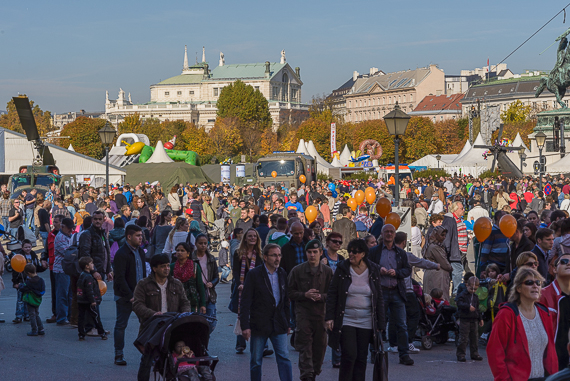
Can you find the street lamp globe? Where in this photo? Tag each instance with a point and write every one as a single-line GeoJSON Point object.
{"type": "Point", "coordinates": [540, 139]}
{"type": "Point", "coordinates": [107, 134]}
{"type": "Point", "coordinates": [397, 121]}
{"type": "Point", "coordinates": [438, 157]}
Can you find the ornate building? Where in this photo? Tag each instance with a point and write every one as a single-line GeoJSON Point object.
{"type": "Point", "coordinates": [192, 95]}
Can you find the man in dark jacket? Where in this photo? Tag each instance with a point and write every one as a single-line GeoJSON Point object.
{"type": "Point", "coordinates": [265, 313]}
{"type": "Point", "coordinates": [451, 245]}
{"type": "Point", "coordinates": [346, 227]}
{"type": "Point", "coordinates": [263, 228]}
{"type": "Point", "coordinates": [544, 241]}
{"type": "Point", "coordinates": [394, 269]}
{"type": "Point", "coordinates": [294, 250]}
{"type": "Point", "coordinates": [129, 268]}
{"type": "Point", "coordinates": [520, 243]}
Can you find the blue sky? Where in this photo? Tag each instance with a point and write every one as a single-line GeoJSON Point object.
{"type": "Point", "coordinates": [65, 54]}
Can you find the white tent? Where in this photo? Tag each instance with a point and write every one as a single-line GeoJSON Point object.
{"type": "Point", "coordinates": [16, 151]}
{"type": "Point", "coordinates": [465, 149]}
{"type": "Point", "coordinates": [159, 155]}
{"type": "Point", "coordinates": [71, 148]}
{"type": "Point", "coordinates": [514, 154]}
{"type": "Point", "coordinates": [561, 166]}
{"type": "Point", "coordinates": [518, 142]}
{"type": "Point", "coordinates": [430, 161]}
{"type": "Point", "coordinates": [345, 156]}
{"type": "Point", "coordinates": [302, 148]}
{"type": "Point", "coordinates": [336, 163]}
{"type": "Point", "coordinates": [472, 162]}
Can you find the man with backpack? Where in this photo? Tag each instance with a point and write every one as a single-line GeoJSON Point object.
{"type": "Point", "coordinates": [61, 243]}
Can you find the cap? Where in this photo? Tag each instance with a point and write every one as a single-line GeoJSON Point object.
{"type": "Point", "coordinates": [314, 244]}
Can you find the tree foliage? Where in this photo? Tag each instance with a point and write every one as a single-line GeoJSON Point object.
{"type": "Point", "coordinates": [153, 128]}
{"type": "Point", "coordinates": [195, 139]}
{"type": "Point", "coordinates": [243, 102]}
{"type": "Point", "coordinates": [419, 140]}
{"type": "Point", "coordinates": [225, 137]}
{"type": "Point", "coordinates": [510, 130]}
{"type": "Point", "coordinates": [83, 136]}
{"type": "Point", "coordinates": [269, 142]}
{"type": "Point", "coordinates": [11, 121]}
{"type": "Point", "coordinates": [517, 112]}
{"type": "Point", "coordinates": [448, 136]}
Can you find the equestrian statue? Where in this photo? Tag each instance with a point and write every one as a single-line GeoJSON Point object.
{"type": "Point", "coordinates": [558, 79]}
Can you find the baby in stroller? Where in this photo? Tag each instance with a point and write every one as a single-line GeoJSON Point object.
{"type": "Point", "coordinates": [186, 370]}
{"type": "Point", "coordinates": [436, 319]}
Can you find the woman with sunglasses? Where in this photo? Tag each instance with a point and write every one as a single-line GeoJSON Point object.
{"type": "Point", "coordinates": [521, 345]}
{"type": "Point", "coordinates": [355, 310]}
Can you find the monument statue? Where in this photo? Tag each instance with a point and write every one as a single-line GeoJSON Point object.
{"type": "Point", "coordinates": [283, 59]}
{"type": "Point", "coordinates": [558, 79]}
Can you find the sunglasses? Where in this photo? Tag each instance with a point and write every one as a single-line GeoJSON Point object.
{"type": "Point", "coordinates": [530, 282]}
{"type": "Point", "coordinates": [564, 261]}
{"type": "Point", "coordinates": [354, 252]}
{"type": "Point", "coordinates": [336, 241]}
{"type": "Point", "coordinates": [531, 264]}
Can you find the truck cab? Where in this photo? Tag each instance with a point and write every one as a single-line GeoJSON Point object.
{"type": "Point", "coordinates": [40, 178]}
{"type": "Point", "coordinates": [288, 167]}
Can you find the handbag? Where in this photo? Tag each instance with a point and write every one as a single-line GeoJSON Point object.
{"type": "Point", "coordinates": [380, 360]}
{"type": "Point", "coordinates": [237, 328]}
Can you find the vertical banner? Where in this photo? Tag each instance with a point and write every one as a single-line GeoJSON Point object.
{"type": "Point", "coordinates": [240, 170]}
{"type": "Point", "coordinates": [333, 137]}
{"type": "Point", "coordinates": [2, 151]}
{"type": "Point", "coordinates": [225, 174]}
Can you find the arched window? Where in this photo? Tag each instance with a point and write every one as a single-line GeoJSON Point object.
{"type": "Point", "coordinates": [285, 90]}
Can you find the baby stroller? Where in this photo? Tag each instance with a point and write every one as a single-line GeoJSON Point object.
{"type": "Point", "coordinates": [436, 327]}
{"type": "Point", "coordinates": [216, 234]}
{"type": "Point", "coordinates": [194, 330]}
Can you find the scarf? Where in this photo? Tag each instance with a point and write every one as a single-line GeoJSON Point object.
{"type": "Point", "coordinates": [185, 272]}
{"type": "Point", "coordinates": [242, 273]}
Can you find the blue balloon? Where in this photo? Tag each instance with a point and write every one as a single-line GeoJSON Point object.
{"type": "Point", "coordinates": [331, 187]}
{"type": "Point", "coordinates": [334, 194]}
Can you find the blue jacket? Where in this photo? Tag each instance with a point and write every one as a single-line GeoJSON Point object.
{"type": "Point", "coordinates": [263, 230]}
{"type": "Point", "coordinates": [495, 249]}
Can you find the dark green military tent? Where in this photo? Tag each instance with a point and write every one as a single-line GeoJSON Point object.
{"type": "Point", "coordinates": [168, 174]}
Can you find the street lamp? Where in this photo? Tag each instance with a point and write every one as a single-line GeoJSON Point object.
{"type": "Point", "coordinates": [438, 157]}
{"type": "Point", "coordinates": [540, 140]}
{"type": "Point", "coordinates": [522, 155]}
{"type": "Point", "coordinates": [107, 135]}
{"type": "Point", "coordinates": [397, 122]}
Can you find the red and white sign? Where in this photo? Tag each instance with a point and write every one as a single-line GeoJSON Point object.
{"type": "Point", "coordinates": [333, 137]}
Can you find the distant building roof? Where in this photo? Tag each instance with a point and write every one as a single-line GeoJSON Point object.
{"type": "Point", "coordinates": [506, 88]}
{"type": "Point", "coordinates": [440, 102]}
{"type": "Point", "coordinates": [391, 81]}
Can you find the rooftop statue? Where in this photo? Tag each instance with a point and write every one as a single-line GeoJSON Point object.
{"type": "Point", "coordinates": [558, 79]}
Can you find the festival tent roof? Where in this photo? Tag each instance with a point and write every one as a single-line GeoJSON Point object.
{"type": "Point", "coordinates": [472, 163]}
{"type": "Point", "coordinates": [321, 163]}
{"type": "Point", "coordinates": [430, 161]}
{"type": "Point", "coordinates": [159, 155]}
{"type": "Point", "coordinates": [168, 174]}
{"type": "Point", "coordinates": [466, 148]}
{"type": "Point", "coordinates": [302, 148]}
{"type": "Point", "coordinates": [561, 166]}
{"type": "Point", "coordinates": [345, 156]}
{"type": "Point", "coordinates": [336, 163]}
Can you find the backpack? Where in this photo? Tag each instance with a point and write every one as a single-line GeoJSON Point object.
{"type": "Point", "coordinates": [70, 262]}
{"type": "Point", "coordinates": [114, 249]}
{"type": "Point", "coordinates": [32, 299]}
{"type": "Point", "coordinates": [499, 291]}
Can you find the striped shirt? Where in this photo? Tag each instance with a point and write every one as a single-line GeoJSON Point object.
{"type": "Point", "coordinates": [495, 249]}
{"type": "Point", "coordinates": [60, 244]}
{"type": "Point", "coordinates": [462, 238]}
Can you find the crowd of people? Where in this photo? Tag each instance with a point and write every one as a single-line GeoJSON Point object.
{"type": "Point", "coordinates": [346, 270]}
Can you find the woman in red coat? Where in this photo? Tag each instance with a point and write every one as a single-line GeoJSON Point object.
{"type": "Point", "coordinates": [521, 345]}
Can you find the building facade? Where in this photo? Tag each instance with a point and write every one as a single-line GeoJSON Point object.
{"type": "Point", "coordinates": [192, 95]}
{"type": "Point", "coordinates": [374, 96]}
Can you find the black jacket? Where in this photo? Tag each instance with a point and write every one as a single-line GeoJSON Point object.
{"type": "Point", "coordinates": [542, 262]}
{"type": "Point", "coordinates": [465, 300]}
{"type": "Point", "coordinates": [403, 270]}
{"type": "Point", "coordinates": [35, 285]}
{"type": "Point", "coordinates": [336, 299]}
{"type": "Point", "coordinates": [450, 242]}
{"type": "Point", "coordinates": [258, 309]}
{"type": "Point", "coordinates": [125, 271]}
{"type": "Point", "coordinates": [525, 244]}
{"type": "Point", "coordinates": [88, 289]}
{"type": "Point", "coordinates": [94, 243]}
{"type": "Point", "coordinates": [120, 200]}
{"type": "Point", "coordinates": [289, 256]}
{"type": "Point", "coordinates": [21, 277]}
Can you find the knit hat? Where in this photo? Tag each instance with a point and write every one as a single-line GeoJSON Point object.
{"type": "Point", "coordinates": [314, 244]}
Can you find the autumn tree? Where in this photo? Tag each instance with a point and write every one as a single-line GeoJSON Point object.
{"type": "Point", "coordinates": [419, 140]}
{"type": "Point", "coordinates": [510, 131]}
{"type": "Point", "coordinates": [131, 124]}
{"type": "Point", "coordinates": [11, 121]}
{"type": "Point", "coordinates": [243, 102]}
{"type": "Point", "coordinates": [448, 140]}
{"type": "Point", "coordinates": [269, 142]}
{"type": "Point", "coordinates": [83, 136]}
{"type": "Point", "coordinates": [195, 139]}
{"type": "Point", "coordinates": [376, 129]}
{"type": "Point", "coordinates": [225, 137]}
{"type": "Point", "coordinates": [319, 132]}
{"type": "Point", "coordinates": [517, 112]}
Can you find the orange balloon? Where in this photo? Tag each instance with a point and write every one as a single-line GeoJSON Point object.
{"type": "Point", "coordinates": [482, 228]}
{"type": "Point", "coordinates": [383, 207]}
{"type": "Point", "coordinates": [359, 197]}
{"type": "Point", "coordinates": [508, 225]}
{"type": "Point", "coordinates": [302, 178]}
{"type": "Point", "coordinates": [393, 219]}
{"type": "Point", "coordinates": [274, 174]}
{"type": "Point", "coordinates": [18, 263]}
{"type": "Point", "coordinates": [102, 287]}
{"type": "Point", "coordinates": [370, 195]}
{"type": "Point", "coordinates": [352, 203]}
{"type": "Point", "coordinates": [311, 213]}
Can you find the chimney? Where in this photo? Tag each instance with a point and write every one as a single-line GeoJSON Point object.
{"type": "Point", "coordinates": [267, 69]}
{"type": "Point", "coordinates": [298, 72]}
{"type": "Point", "coordinates": [354, 75]}
{"type": "Point", "coordinates": [373, 70]}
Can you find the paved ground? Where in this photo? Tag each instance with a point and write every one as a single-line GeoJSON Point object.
{"type": "Point", "coordinates": [60, 356]}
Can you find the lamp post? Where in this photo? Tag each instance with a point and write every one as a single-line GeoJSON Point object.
{"type": "Point", "coordinates": [438, 157]}
{"type": "Point", "coordinates": [397, 122]}
{"type": "Point", "coordinates": [107, 135]}
{"type": "Point", "coordinates": [522, 155]}
{"type": "Point", "coordinates": [540, 140]}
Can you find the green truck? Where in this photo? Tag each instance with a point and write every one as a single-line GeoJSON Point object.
{"type": "Point", "coordinates": [288, 167]}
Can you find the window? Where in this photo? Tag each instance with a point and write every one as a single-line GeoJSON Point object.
{"type": "Point", "coordinates": [256, 88]}
{"type": "Point", "coordinates": [411, 97]}
{"type": "Point", "coordinates": [179, 93]}
{"type": "Point", "coordinates": [383, 100]}
{"type": "Point", "coordinates": [294, 94]}
{"type": "Point", "coordinates": [275, 93]}
{"type": "Point", "coordinates": [216, 90]}
{"type": "Point", "coordinates": [404, 98]}
{"type": "Point", "coordinates": [166, 93]}
{"type": "Point", "coordinates": [211, 120]}
{"type": "Point", "coordinates": [191, 93]}
{"type": "Point", "coordinates": [285, 92]}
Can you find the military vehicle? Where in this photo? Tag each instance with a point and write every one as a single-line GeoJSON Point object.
{"type": "Point", "coordinates": [288, 167]}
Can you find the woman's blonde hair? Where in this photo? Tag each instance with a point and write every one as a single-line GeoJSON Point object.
{"type": "Point", "coordinates": [524, 257]}
{"type": "Point", "coordinates": [522, 274]}
{"type": "Point", "coordinates": [242, 249]}
{"type": "Point", "coordinates": [180, 221]}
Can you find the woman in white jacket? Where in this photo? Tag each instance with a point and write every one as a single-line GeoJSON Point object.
{"type": "Point", "coordinates": [174, 200]}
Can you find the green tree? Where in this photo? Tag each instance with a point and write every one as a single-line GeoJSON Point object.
{"type": "Point", "coordinates": [243, 102]}
{"type": "Point", "coordinates": [83, 135]}
{"type": "Point", "coordinates": [131, 124]}
{"type": "Point", "coordinates": [11, 121]}
{"type": "Point", "coordinates": [517, 112]}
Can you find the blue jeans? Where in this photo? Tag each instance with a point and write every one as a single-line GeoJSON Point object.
{"type": "Point", "coordinates": [395, 307]}
{"type": "Point", "coordinates": [279, 342]}
{"type": "Point", "coordinates": [62, 303]}
{"type": "Point", "coordinates": [211, 311]}
{"type": "Point", "coordinates": [14, 232]}
{"type": "Point", "coordinates": [44, 236]}
{"type": "Point", "coordinates": [30, 219]}
{"type": "Point", "coordinates": [21, 307]}
{"type": "Point", "coordinates": [456, 275]}
{"type": "Point", "coordinates": [6, 224]}
{"type": "Point", "coordinates": [124, 309]}
{"type": "Point", "coordinates": [225, 270]}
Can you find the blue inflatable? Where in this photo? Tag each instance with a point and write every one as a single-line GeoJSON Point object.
{"type": "Point", "coordinates": [334, 194]}
{"type": "Point", "coordinates": [331, 187]}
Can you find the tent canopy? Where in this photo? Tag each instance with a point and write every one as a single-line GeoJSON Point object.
{"type": "Point", "coordinates": [168, 174]}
